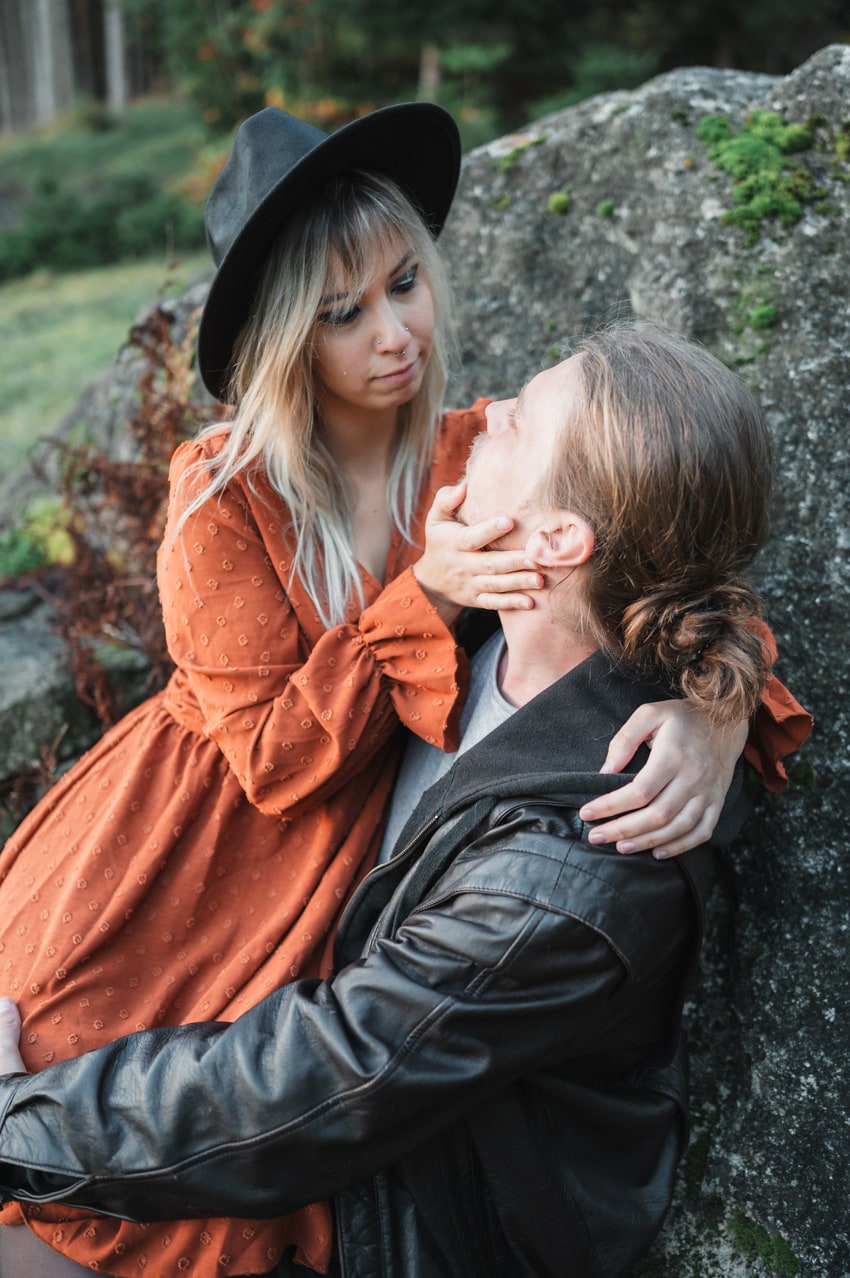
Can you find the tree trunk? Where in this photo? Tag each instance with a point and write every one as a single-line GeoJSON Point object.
{"type": "Point", "coordinates": [50, 62]}
{"type": "Point", "coordinates": [115, 46]}
{"type": "Point", "coordinates": [429, 72]}
{"type": "Point", "coordinates": [87, 31]}
{"type": "Point", "coordinates": [13, 86]}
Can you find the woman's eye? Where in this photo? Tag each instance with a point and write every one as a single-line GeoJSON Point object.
{"type": "Point", "coordinates": [406, 282]}
{"type": "Point", "coordinates": [339, 317]}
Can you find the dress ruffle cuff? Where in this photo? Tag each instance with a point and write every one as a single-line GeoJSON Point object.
{"type": "Point", "coordinates": [426, 670]}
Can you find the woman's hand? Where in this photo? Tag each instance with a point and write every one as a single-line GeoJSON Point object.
{"type": "Point", "coordinates": [10, 1036]}
{"type": "Point", "coordinates": [458, 571]}
{"type": "Point", "coordinates": [675, 800]}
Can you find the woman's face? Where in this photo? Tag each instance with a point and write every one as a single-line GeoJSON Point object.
{"type": "Point", "coordinates": [371, 350]}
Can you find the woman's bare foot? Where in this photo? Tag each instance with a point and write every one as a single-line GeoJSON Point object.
{"type": "Point", "coordinates": [10, 1036]}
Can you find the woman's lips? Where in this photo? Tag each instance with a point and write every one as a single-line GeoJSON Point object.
{"type": "Point", "coordinates": [400, 376]}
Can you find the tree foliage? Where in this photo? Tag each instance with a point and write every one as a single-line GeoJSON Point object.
{"type": "Point", "coordinates": [495, 63]}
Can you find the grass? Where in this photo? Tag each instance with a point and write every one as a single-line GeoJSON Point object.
{"type": "Point", "coordinates": [58, 331]}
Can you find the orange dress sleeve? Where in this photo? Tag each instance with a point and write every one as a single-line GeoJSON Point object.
{"type": "Point", "coordinates": [296, 710]}
{"type": "Point", "coordinates": [779, 727]}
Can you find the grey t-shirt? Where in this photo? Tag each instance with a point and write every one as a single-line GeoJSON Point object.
{"type": "Point", "coordinates": [424, 764]}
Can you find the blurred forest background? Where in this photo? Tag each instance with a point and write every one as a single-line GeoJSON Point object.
{"type": "Point", "coordinates": [115, 116]}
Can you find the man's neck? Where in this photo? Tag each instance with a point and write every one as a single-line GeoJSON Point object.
{"type": "Point", "coordinates": [540, 650]}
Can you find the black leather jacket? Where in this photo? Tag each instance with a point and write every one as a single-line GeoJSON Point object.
{"type": "Point", "coordinates": [492, 1084]}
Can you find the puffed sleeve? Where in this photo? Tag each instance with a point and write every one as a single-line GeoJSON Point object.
{"type": "Point", "coordinates": [780, 725]}
{"type": "Point", "coordinates": [297, 711]}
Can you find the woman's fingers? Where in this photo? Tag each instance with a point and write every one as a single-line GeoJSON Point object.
{"type": "Point", "coordinates": [675, 800]}
{"type": "Point", "coordinates": [458, 570]}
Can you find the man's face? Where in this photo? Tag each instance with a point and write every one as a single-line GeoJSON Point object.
{"type": "Point", "coordinates": [510, 458]}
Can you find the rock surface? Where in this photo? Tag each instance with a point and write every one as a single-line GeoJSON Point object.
{"type": "Point", "coordinates": [636, 227]}
{"type": "Point", "coordinates": [766, 1187]}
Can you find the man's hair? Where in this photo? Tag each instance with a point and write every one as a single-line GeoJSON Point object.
{"type": "Point", "coordinates": [335, 238]}
{"type": "Point", "coordinates": [666, 453]}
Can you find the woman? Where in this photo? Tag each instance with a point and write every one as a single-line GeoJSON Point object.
{"type": "Point", "coordinates": [201, 854]}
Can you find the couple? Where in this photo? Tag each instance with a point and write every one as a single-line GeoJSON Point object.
{"type": "Point", "coordinates": [492, 1081]}
{"type": "Point", "coordinates": [484, 1075]}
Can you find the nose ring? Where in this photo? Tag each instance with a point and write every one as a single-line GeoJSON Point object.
{"type": "Point", "coordinates": [398, 354]}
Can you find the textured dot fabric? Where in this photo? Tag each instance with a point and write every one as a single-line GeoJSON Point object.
{"type": "Point", "coordinates": [200, 855]}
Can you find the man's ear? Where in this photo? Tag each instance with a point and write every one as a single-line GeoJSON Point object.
{"type": "Point", "coordinates": [562, 540]}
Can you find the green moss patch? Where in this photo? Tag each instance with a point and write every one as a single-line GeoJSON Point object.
{"type": "Point", "coordinates": [505, 163]}
{"type": "Point", "coordinates": [559, 201]}
{"type": "Point", "coordinates": [764, 316]}
{"type": "Point", "coordinates": [753, 1243]}
{"type": "Point", "coordinates": [770, 181]}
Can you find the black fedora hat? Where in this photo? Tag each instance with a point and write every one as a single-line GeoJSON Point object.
{"type": "Point", "coordinates": [276, 162]}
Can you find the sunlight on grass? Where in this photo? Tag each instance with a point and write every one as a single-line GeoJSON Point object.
{"type": "Point", "coordinates": [58, 331]}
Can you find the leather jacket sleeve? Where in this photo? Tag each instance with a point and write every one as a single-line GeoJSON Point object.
{"type": "Point", "coordinates": [324, 1082]}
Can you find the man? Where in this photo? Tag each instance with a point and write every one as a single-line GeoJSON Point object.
{"type": "Point", "coordinates": [493, 1081]}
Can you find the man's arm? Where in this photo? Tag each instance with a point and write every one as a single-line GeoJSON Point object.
{"type": "Point", "coordinates": [323, 1082]}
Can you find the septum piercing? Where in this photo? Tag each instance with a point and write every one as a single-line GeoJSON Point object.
{"type": "Point", "coordinates": [398, 354]}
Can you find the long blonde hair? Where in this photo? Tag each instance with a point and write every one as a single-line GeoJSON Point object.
{"type": "Point", "coordinates": [666, 453]}
{"type": "Point", "coordinates": [353, 219]}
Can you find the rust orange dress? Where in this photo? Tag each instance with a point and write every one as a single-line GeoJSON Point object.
{"type": "Point", "coordinates": [201, 854]}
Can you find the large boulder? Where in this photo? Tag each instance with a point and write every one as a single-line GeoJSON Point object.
{"type": "Point", "coordinates": [617, 207]}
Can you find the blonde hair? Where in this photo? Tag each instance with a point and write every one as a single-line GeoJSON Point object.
{"type": "Point", "coordinates": [666, 453]}
{"type": "Point", "coordinates": [352, 221]}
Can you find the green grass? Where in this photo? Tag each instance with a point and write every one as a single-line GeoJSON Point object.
{"type": "Point", "coordinates": [58, 331]}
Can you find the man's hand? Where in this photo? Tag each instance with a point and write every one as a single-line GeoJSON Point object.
{"type": "Point", "coordinates": [10, 1036]}
{"type": "Point", "coordinates": [675, 800]}
{"type": "Point", "coordinates": [457, 571]}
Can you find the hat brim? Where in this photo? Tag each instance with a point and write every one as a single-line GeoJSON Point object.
{"type": "Point", "coordinates": [416, 144]}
